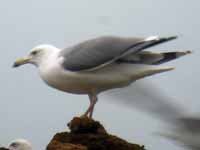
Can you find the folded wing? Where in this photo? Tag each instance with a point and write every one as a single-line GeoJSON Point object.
{"type": "Point", "coordinates": [95, 53]}
{"type": "Point", "coordinates": [152, 58]}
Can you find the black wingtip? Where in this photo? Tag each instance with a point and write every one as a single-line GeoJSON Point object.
{"type": "Point", "coordinates": [164, 39]}
{"type": "Point", "coordinates": [172, 37]}
{"type": "Point", "coordinates": [160, 40]}
{"type": "Point", "coordinates": [168, 38]}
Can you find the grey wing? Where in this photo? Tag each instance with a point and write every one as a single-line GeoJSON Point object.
{"type": "Point", "coordinates": [191, 124]}
{"type": "Point", "coordinates": [152, 58]}
{"type": "Point", "coordinates": [104, 50]}
{"type": "Point", "coordinates": [153, 101]}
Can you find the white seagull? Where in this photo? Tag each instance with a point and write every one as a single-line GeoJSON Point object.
{"type": "Point", "coordinates": [99, 64]}
{"type": "Point", "coordinates": [20, 144]}
{"type": "Point", "coordinates": [181, 126]}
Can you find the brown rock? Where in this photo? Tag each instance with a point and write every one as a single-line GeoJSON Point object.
{"type": "Point", "coordinates": [85, 125]}
{"type": "Point", "coordinates": [87, 134]}
{"type": "Point", "coordinates": [56, 145]}
{"type": "Point", "coordinates": [3, 148]}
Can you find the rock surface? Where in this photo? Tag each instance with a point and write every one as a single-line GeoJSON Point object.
{"type": "Point", "coordinates": [3, 148]}
{"type": "Point", "coordinates": [87, 134]}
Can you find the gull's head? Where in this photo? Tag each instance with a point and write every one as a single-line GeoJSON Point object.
{"type": "Point", "coordinates": [20, 144]}
{"type": "Point", "coordinates": [37, 55]}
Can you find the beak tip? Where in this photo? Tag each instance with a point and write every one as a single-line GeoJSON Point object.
{"type": "Point", "coordinates": [14, 65]}
{"type": "Point", "coordinates": [19, 62]}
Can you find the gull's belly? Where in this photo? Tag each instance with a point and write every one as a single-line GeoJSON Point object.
{"type": "Point", "coordinates": [109, 77]}
{"type": "Point", "coordinates": [82, 83]}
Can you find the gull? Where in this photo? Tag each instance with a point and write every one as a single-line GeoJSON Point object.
{"type": "Point", "coordinates": [20, 144]}
{"type": "Point", "coordinates": [185, 131]}
{"type": "Point", "coordinates": [99, 64]}
{"type": "Point", "coordinates": [182, 127]}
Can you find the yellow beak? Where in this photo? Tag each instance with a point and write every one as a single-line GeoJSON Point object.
{"type": "Point", "coordinates": [21, 61]}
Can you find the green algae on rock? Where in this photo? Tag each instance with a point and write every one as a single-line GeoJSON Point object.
{"type": "Point", "coordinates": [87, 134]}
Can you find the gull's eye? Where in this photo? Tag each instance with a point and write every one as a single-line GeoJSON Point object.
{"type": "Point", "coordinates": [14, 144]}
{"type": "Point", "coordinates": [34, 52]}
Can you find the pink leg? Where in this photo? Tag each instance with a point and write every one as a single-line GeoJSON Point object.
{"type": "Point", "coordinates": [93, 100]}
